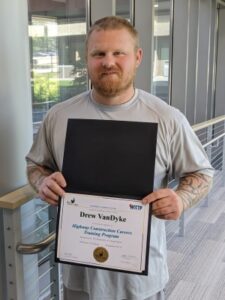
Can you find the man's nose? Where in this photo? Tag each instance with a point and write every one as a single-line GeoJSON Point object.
{"type": "Point", "coordinates": [108, 60]}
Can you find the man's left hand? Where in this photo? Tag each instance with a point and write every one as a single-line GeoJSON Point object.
{"type": "Point", "coordinates": [166, 204]}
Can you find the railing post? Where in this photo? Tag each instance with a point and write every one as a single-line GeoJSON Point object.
{"type": "Point", "coordinates": [55, 272]}
{"type": "Point", "coordinates": [30, 262]}
{"type": "Point", "coordinates": [21, 271]}
{"type": "Point", "coordinates": [181, 225]}
{"type": "Point", "coordinates": [223, 163]}
{"type": "Point", "coordinates": [209, 154]}
{"type": "Point", "coordinates": [2, 257]}
{"type": "Point", "coordinates": [13, 261]}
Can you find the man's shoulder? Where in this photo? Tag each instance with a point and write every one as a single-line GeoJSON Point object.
{"type": "Point", "coordinates": [67, 104]}
{"type": "Point", "coordinates": [159, 107]}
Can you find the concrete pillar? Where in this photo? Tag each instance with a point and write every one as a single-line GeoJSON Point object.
{"type": "Point", "coordinates": [15, 94]}
{"type": "Point", "coordinates": [15, 104]}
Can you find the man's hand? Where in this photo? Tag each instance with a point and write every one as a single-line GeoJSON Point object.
{"type": "Point", "coordinates": [166, 204]}
{"type": "Point", "coordinates": [51, 188]}
{"type": "Point", "coordinates": [169, 204]}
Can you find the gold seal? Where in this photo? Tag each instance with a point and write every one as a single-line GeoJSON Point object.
{"type": "Point", "coordinates": [100, 254]}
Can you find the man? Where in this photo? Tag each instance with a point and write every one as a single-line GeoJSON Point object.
{"type": "Point", "coordinates": [113, 56]}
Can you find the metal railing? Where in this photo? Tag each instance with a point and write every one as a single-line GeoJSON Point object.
{"type": "Point", "coordinates": [212, 136]}
{"type": "Point", "coordinates": [36, 247]}
{"type": "Point", "coordinates": [28, 219]}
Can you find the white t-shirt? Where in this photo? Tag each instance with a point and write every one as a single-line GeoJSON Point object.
{"type": "Point", "coordinates": [178, 153]}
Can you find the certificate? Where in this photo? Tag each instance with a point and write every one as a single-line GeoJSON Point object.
{"type": "Point", "coordinates": [104, 232]}
{"type": "Point", "coordinates": [108, 167]}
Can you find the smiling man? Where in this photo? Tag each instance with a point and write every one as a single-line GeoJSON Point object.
{"type": "Point", "coordinates": [112, 65]}
{"type": "Point", "coordinates": [113, 56]}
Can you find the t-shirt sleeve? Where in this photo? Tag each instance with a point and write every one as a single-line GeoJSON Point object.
{"type": "Point", "coordinates": [187, 152]}
{"type": "Point", "coordinates": [41, 150]}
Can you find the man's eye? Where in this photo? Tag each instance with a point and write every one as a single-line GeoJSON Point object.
{"type": "Point", "coordinates": [118, 53]}
{"type": "Point", "coordinates": [98, 54]}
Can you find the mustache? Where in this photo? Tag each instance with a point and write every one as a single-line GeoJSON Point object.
{"type": "Point", "coordinates": [107, 71]}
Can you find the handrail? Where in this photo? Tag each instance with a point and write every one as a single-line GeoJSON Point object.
{"type": "Point", "coordinates": [17, 198]}
{"type": "Point", "coordinates": [36, 247]}
{"type": "Point", "coordinates": [208, 123]}
{"type": "Point", "coordinates": [26, 193]}
{"type": "Point", "coordinates": [214, 140]}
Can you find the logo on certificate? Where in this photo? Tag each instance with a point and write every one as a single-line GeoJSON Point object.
{"type": "Point", "coordinates": [71, 201]}
{"type": "Point", "coordinates": [100, 254]}
{"type": "Point", "coordinates": [136, 207]}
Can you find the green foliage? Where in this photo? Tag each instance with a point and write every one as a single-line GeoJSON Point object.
{"type": "Point", "coordinates": [45, 88]}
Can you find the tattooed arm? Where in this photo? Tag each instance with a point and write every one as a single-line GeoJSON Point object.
{"type": "Point", "coordinates": [48, 185]}
{"type": "Point", "coordinates": [193, 188]}
{"type": "Point", "coordinates": [35, 175]}
{"type": "Point", "coordinates": [169, 204]}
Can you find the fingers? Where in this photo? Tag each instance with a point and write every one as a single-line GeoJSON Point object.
{"type": "Point", "coordinates": [166, 204]}
{"type": "Point", "coordinates": [157, 195]}
{"type": "Point", "coordinates": [51, 188]}
{"type": "Point", "coordinates": [47, 199]}
{"type": "Point", "coordinates": [58, 178]}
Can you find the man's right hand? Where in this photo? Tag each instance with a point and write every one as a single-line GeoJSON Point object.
{"type": "Point", "coordinates": [52, 187]}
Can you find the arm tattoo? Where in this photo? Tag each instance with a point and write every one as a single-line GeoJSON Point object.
{"type": "Point", "coordinates": [193, 188]}
{"type": "Point", "coordinates": [36, 174]}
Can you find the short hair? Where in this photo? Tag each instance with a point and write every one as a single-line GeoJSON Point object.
{"type": "Point", "coordinates": [113, 23]}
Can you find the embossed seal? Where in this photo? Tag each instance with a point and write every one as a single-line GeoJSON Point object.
{"type": "Point", "coordinates": [100, 254]}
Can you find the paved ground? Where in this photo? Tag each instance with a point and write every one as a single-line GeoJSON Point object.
{"type": "Point", "coordinates": [197, 260]}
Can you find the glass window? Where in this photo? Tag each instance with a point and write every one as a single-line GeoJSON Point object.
{"type": "Point", "coordinates": [161, 49]}
{"type": "Point", "coordinates": [57, 30]}
{"type": "Point", "coordinates": [124, 9]}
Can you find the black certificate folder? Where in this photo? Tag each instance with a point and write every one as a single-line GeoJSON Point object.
{"type": "Point", "coordinates": [115, 158]}
{"type": "Point", "coordinates": [108, 167]}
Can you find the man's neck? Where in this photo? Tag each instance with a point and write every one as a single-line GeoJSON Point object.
{"type": "Point", "coordinates": [113, 100]}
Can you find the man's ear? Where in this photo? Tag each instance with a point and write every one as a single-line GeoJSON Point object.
{"type": "Point", "coordinates": [139, 55]}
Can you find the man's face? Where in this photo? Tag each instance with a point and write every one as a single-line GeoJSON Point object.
{"type": "Point", "coordinates": [112, 61]}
